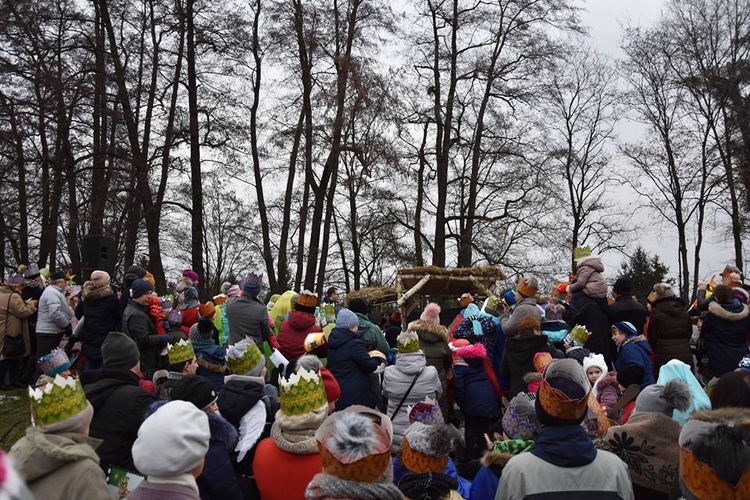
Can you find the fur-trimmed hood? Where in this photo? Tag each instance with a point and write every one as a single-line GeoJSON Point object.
{"type": "Point", "coordinates": [93, 293]}
{"type": "Point", "coordinates": [429, 332]}
{"type": "Point", "coordinates": [724, 416]}
{"type": "Point", "coordinates": [608, 380]}
{"type": "Point", "coordinates": [474, 351]}
{"type": "Point", "coordinates": [729, 312]}
{"type": "Point", "coordinates": [38, 454]}
{"type": "Point", "coordinates": [593, 261]}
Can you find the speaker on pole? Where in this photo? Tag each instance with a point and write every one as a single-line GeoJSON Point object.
{"type": "Point", "coordinates": [98, 252]}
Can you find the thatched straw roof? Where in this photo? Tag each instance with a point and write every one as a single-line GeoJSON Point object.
{"type": "Point", "coordinates": [373, 295]}
{"type": "Point", "coordinates": [449, 281]}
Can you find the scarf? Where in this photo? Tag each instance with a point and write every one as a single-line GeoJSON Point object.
{"type": "Point", "coordinates": [297, 434]}
{"type": "Point", "coordinates": [564, 446]}
{"type": "Point", "coordinates": [325, 486]}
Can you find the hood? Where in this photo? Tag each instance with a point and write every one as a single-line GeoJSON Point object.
{"type": "Point", "coordinates": [526, 344]}
{"type": "Point", "coordinates": [593, 261]}
{"type": "Point", "coordinates": [474, 351]}
{"type": "Point", "coordinates": [429, 332]}
{"type": "Point", "coordinates": [607, 380]}
{"type": "Point", "coordinates": [222, 431]}
{"type": "Point", "coordinates": [109, 380]}
{"type": "Point", "coordinates": [410, 363]}
{"type": "Point", "coordinates": [93, 293]}
{"type": "Point", "coordinates": [38, 454]}
{"type": "Point", "coordinates": [729, 312]}
{"type": "Point", "coordinates": [300, 320]}
{"type": "Point", "coordinates": [237, 396]}
{"type": "Point", "coordinates": [640, 341]}
{"type": "Point", "coordinates": [672, 306]}
{"type": "Point", "coordinates": [339, 337]}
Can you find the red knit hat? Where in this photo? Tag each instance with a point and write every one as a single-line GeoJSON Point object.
{"type": "Point", "coordinates": [331, 385]}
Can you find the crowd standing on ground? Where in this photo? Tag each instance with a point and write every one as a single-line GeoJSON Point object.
{"type": "Point", "coordinates": [563, 393]}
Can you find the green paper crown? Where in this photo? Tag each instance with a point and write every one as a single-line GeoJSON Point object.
{"type": "Point", "coordinates": [56, 401]}
{"type": "Point", "coordinates": [180, 352]}
{"type": "Point", "coordinates": [243, 357]}
{"type": "Point", "coordinates": [302, 392]}
{"type": "Point", "coordinates": [581, 252]}
{"type": "Point", "coordinates": [580, 334]}
{"type": "Point", "coordinates": [328, 310]}
{"type": "Point", "coordinates": [407, 342]}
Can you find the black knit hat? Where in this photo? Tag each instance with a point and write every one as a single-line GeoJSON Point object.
{"type": "Point", "coordinates": [57, 276]}
{"type": "Point", "coordinates": [236, 397]}
{"type": "Point", "coordinates": [631, 375]}
{"type": "Point", "coordinates": [203, 330]}
{"type": "Point", "coordinates": [427, 486]}
{"type": "Point", "coordinates": [358, 306]}
{"type": "Point", "coordinates": [194, 389]}
{"type": "Point", "coordinates": [140, 287]}
{"type": "Point", "coordinates": [119, 351]}
{"type": "Point", "coordinates": [623, 286]}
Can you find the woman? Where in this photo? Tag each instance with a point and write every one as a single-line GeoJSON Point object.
{"type": "Point", "coordinates": [668, 328]}
{"type": "Point", "coordinates": [725, 329]}
{"type": "Point", "coordinates": [14, 312]}
{"type": "Point", "coordinates": [100, 311]}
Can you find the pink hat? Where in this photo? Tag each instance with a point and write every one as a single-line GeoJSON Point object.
{"type": "Point", "coordinates": [233, 291]}
{"type": "Point", "coordinates": [100, 278]}
{"type": "Point", "coordinates": [735, 278]}
{"type": "Point", "coordinates": [189, 273]}
{"type": "Point", "coordinates": [431, 313]}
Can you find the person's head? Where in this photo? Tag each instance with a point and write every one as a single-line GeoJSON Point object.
{"type": "Point", "coordinates": [595, 367]}
{"type": "Point", "coordinates": [527, 287]}
{"type": "Point", "coordinates": [407, 342]}
{"type": "Point", "coordinates": [306, 302]}
{"type": "Point", "coordinates": [465, 299]}
{"type": "Point", "coordinates": [332, 388]}
{"type": "Point", "coordinates": [172, 441]}
{"type": "Point", "coordinates": [520, 420]}
{"type": "Point", "coordinates": [731, 391]}
{"type": "Point", "coordinates": [181, 357]}
{"type": "Point", "coordinates": [723, 294]}
{"type": "Point", "coordinates": [661, 291]}
{"type": "Point", "coordinates": [59, 279]}
{"type": "Point", "coordinates": [191, 275]}
{"type": "Point", "coordinates": [207, 310]}
{"type": "Point", "coordinates": [358, 306]}
{"type": "Point", "coordinates": [253, 283]}
{"type": "Point", "coordinates": [140, 292]}
{"type": "Point", "coordinates": [196, 390]}
{"type": "Point", "coordinates": [333, 294]}
{"type": "Point", "coordinates": [623, 286]}
{"type": "Point", "coordinates": [347, 319]}
{"type": "Point", "coordinates": [665, 399]}
{"type": "Point", "coordinates": [563, 394]}
{"type": "Point", "coordinates": [245, 358]}
{"type": "Point", "coordinates": [630, 375]}
{"type": "Point", "coordinates": [100, 278]}
{"type": "Point", "coordinates": [15, 281]}
{"type": "Point", "coordinates": [425, 448]}
{"type": "Point", "coordinates": [120, 352]}
{"type": "Point", "coordinates": [529, 325]}
{"type": "Point", "coordinates": [55, 363]}
{"type": "Point", "coordinates": [61, 406]}
{"type": "Point", "coordinates": [622, 331]}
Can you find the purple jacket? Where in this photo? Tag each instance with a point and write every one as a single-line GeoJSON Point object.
{"type": "Point", "coordinates": [159, 491]}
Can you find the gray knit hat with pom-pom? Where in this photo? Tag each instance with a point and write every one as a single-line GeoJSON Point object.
{"type": "Point", "coordinates": [674, 395]}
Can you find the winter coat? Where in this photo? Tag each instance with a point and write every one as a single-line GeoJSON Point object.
{"type": "Point", "coordinates": [669, 331]}
{"type": "Point", "coordinates": [627, 309]}
{"type": "Point", "coordinates": [212, 364]}
{"type": "Point", "coordinates": [725, 327]}
{"type": "Point", "coordinates": [396, 381]}
{"type": "Point", "coordinates": [271, 467]}
{"type": "Point", "coordinates": [218, 481]}
{"type": "Point", "coordinates": [391, 334]}
{"type": "Point", "coordinates": [293, 332]}
{"type": "Point", "coordinates": [351, 365]}
{"type": "Point", "coordinates": [156, 313]}
{"type": "Point", "coordinates": [433, 341]}
{"type": "Point", "coordinates": [54, 311]}
{"type": "Point", "coordinates": [608, 390]}
{"type": "Point", "coordinates": [137, 325]}
{"type": "Point", "coordinates": [16, 322]}
{"type": "Point", "coordinates": [524, 307]}
{"type": "Point", "coordinates": [472, 388]}
{"type": "Point", "coordinates": [464, 486]}
{"type": "Point", "coordinates": [60, 466]}
{"type": "Point", "coordinates": [119, 406]}
{"type": "Point", "coordinates": [592, 313]}
{"type": "Point", "coordinates": [101, 313]}
{"type": "Point", "coordinates": [590, 279]}
{"type": "Point", "coordinates": [189, 317]}
{"type": "Point", "coordinates": [248, 318]}
{"type": "Point", "coordinates": [518, 359]}
{"type": "Point", "coordinates": [371, 335]}
{"type": "Point", "coordinates": [636, 351]}
{"type": "Point", "coordinates": [166, 491]}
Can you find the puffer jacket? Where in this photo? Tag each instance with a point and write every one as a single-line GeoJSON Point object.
{"type": "Point", "coordinates": [433, 341]}
{"type": "Point", "coordinates": [54, 311]}
{"type": "Point", "coordinates": [472, 387]}
{"type": "Point", "coordinates": [60, 466]}
{"type": "Point", "coordinates": [669, 331]}
{"type": "Point", "coordinates": [636, 351]}
{"type": "Point", "coordinates": [293, 332]}
{"type": "Point", "coordinates": [351, 365]}
{"type": "Point", "coordinates": [725, 327]}
{"type": "Point", "coordinates": [101, 312]}
{"type": "Point", "coordinates": [590, 278]}
{"type": "Point", "coordinates": [396, 381]}
{"type": "Point", "coordinates": [524, 307]}
{"type": "Point", "coordinates": [608, 390]}
{"type": "Point", "coordinates": [13, 318]}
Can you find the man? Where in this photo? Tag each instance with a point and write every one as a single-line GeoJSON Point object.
{"type": "Point", "coordinates": [368, 331]}
{"type": "Point", "coordinates": [625, 307]}
{"type": "Point", "coordinates": [332, 296]}
{"type": "Point", "coordinates": [182, 361]}
{"type": "Point", "coordinates": [564, 462]}
{"type": "Point", "coordinates": [53, 320]}
{"type": "Point", "coordinates": [119, 402]}
{"type": "Point", "coordinates": [248, 316]}
{"type": "Point", "coordinates": [137, 324]}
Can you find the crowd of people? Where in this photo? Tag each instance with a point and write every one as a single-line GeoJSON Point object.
{"type": "Point", "coordinates": [571, 393]}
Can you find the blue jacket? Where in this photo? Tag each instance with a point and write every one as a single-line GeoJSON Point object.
{"type": "Point", "coordinates": [637, 351]}
{"type": "Point", "coordinates": [473, 390]}
{"type": "Point", "coordinates": [350, 363]}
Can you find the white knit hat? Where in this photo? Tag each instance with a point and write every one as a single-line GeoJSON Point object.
{"type": "Point", "coordinates": [597, 360]}
{"type": "Point", "coordinates": [172, 441]}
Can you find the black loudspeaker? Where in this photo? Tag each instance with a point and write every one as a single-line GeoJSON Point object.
{"type": "Point", "coordinates": [98, 252]}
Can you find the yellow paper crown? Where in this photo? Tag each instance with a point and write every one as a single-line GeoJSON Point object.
{"type": "Point", "coordinates": [180, 352]}
{"type": "Point", "coordinates": [407, 342]}
{"type": "Point", "coordinates": [302, 392]}
{"type": "Point", "coordinates": [243, 357]}
{"type": "Point", "coordinates": [56, 401]}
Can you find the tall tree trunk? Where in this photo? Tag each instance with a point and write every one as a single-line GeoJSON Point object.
{"type": "Point", "coordinates": [23, 210]}
{"type": "Point", "coordinates": [284, 276]}
{"type": "Point", "coordinates": [99, 130]}
{"type": "Point", "coordinates": [326, 235]}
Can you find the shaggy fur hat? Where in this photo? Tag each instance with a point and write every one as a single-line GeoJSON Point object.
{"type": "Point", "coordinates": [425, 448]}
{"type": "Point", "coordinates": [431, 313]}
{"type": "Point", "coordinates": [674, 395]}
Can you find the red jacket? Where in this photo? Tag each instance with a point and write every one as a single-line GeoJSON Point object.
{"type": "Point", "coordinates": [281, 475]}
{"type": "Point", "coordinates": [293, 331]}
{"type": "Point", "coordinates": [189, 318]}
{"type": "Point", "coordinates": [156, 313]}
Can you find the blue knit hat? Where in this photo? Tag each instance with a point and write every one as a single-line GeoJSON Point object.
{"type": "Point", "coordinates": [627, 328]}
{"type": "Point", "coordinates": [346, 319]}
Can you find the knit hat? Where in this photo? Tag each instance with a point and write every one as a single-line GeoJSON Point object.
{"type": "Point", "coordinates": [541, 360]}
{"type": "Point", "coordinates": [425, 448]}
{"type": "Point", "coordinates": [194, 389]}
{"type": "Point", "coordinates": [306, 302]}
{"type": "Point", "coordinates": [244, 358]}
{"type": "Point", "coordinates": [119, 351]}
{"type": "Point", "coordinates": [54, 363]}
{"type": "Point", "coordinates": [626, 327]}
{"type": "Point", "coordinates": [140, 287]}
{"type": "Point", "coordinates": [596, 360]}
{"type": "Point", "coordinates": [520, 420]}
{"type": "Point", "coordinates": [623, 286]}
{"type": "Point", "coordinates": [510, 297]}
{"type": "Point", "coordinates": [631, 375]}
{"type": "Point", "coordinates": [180, 352]}
{"type": "Point", "coordinates": [528, 286]}
{"type": "Point", "coordinates": [396, 318]}
{"type": "Point", "coordinates": [190, 274]}
{"type": "Point", "coordinates": [355, 445]}
{"type": "Point", "coordinates": [563, 394]}
{"type": "Point", "coordinates": [203, 330]}
{"type": "Point", "coordinates": [346, 319]}
{"type": "Point", "coordinates": [172, 441]}
{"type": "Point", "coordinates": [100, 278]}
{"type": "Point", "coordinates": [31, 271]}
{"type": "Point", "coordinates": [431, 314]}
{"type": "Point", "coordinates": [233, 291]}
{"type": "Point", "coordinates": [465, 300]}
{"type": "Point", "coordinates": [331, 386]}
{"type": "Point", "coordinates": [303, 392]}
{"type": "Point", "coordinates": [207, 310]}
{"type": "Point", "coordinates": [427, 412]}
{"type": "Point", "coordinates": [674, 395]}
{"type": "Point", "coordinates": [407, 342]}
{"type": "Point", "coordinates": [60, 406]}
{"type": "Point", "coordinates": [358, 306]}
{"type": "Point", "coordinates": [428, 485]}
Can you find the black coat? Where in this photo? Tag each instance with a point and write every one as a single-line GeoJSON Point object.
{"type": "Point", "coordinates": [725, 328]}
{"type": "Point", "coordinates": [592, 313]}
{"type": "Point", "coordinates": [518, 359]}
{"type": "Point", "coordinates": [391, 334]}
{"type": "Point", "coordinates": [137, 325]}
{"type": "Point", "coordinates": [350, 363]}
{"type": "Point", "coordinates": [101, 312]}
{"type": "Point", "coordinates": [669, 332]}
{"type": "Point", "coordinates": [218, 480]}
{"type": "Point", "coordinates": [627, 309]}
{"type": "Point", "coordinates": [119, 407]}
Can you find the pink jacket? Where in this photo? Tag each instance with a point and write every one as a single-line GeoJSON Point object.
{"type": "Point", "coordinates": [590, 278]}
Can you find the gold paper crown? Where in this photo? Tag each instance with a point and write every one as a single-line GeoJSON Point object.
{"type": "Point", "coordinates": [307, 299]}
{"type": "Point", "coordinates": [302, 392]}
{"type": "Point", "coordinates": [243, 357]}
{"type": "Point", "coordinates": [703, 482]}
{"type": "Point", "coordinates": [408, 342]}
{"type": "Point", "coordinates": [56, 401]}
{"type": "Point", "coordinates": [180, 352]}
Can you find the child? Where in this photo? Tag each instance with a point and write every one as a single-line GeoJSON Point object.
{"type": "Point", "coordinates": [633, 349]}
{"type": "Point", "coordinates": [595, 368]}
{"type": "Point", "coordinates": [608, 390]}
{"type": "Point", "coordinates": [590, 280]}
{"type": "Point", "coordinates": [553, 325]}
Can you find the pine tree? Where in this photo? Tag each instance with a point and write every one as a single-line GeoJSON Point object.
{"type": "Point", "coordinates": [644, 272]}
